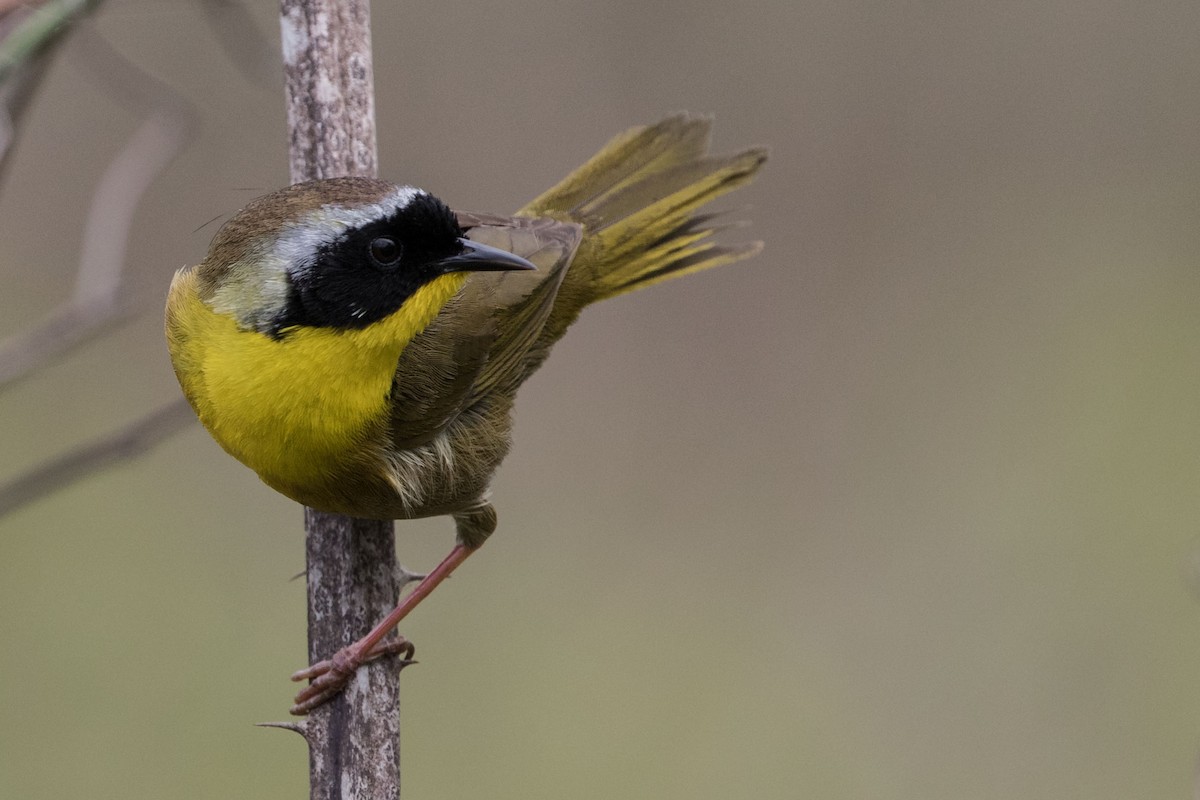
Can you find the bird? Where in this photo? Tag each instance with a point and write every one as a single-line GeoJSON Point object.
{"type": "Point", "coordinates": [359, 344]}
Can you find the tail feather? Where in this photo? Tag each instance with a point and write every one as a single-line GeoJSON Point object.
{"type": "Point", "coordinates": [637, 199]}
{"type": "Point", "coordinates": [627, 157]}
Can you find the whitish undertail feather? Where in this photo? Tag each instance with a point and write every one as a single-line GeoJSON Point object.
{"type": "Point", "coordinates": [637, 200]}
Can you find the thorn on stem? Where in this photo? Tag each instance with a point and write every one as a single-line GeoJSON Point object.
{"type": "Point", "coordinates": [405, 576]}
{"type": "Point", "coordinates": [296, 727]}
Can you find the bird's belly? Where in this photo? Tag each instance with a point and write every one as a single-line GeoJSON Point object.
{"type": "Point", "coordinates": [449, 473]}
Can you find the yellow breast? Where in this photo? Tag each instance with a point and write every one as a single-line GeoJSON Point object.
{"type": "Point", "coordinates": [296, 408]}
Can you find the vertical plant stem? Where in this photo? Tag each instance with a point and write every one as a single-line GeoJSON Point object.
{"type": "Point", "coordinates": [354, 739]}
{"type": "Point", "coordinates": [330, 88]}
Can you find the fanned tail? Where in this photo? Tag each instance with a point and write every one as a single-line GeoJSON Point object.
{"type": "Point", "coordinates": [637, 200]}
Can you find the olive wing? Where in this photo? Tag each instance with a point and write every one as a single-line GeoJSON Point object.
{"type": "Point", "coordinates": [480, 341]}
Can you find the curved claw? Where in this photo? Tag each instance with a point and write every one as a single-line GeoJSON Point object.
{"type": "Point", "coordinates": [330, 677]}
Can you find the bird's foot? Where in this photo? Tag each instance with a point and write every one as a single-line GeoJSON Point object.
{"type": "Point", "coordinates": [329, 677]}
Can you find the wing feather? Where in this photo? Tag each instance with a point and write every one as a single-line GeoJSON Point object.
{"type": "Point", "coordinates": [479, 343]}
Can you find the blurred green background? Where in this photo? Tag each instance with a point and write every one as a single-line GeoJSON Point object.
{"type": "Point", "coordinates": [904, 508]}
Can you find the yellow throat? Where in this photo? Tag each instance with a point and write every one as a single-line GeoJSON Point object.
{"type": "Point", "coordinates": [296, 408]}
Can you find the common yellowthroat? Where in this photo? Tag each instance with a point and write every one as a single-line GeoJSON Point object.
{"type": "Point", "coordinates": [359, 345]}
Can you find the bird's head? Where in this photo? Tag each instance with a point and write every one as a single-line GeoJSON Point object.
{"type": "Point", "coordinates": [340, 253]}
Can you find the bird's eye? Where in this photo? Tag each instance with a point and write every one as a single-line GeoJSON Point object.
{"type": "Point", "coordinates": [385, 251]}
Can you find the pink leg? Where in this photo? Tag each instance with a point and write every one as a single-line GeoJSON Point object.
{"type": "Point", "coordinates": [329, 677]}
